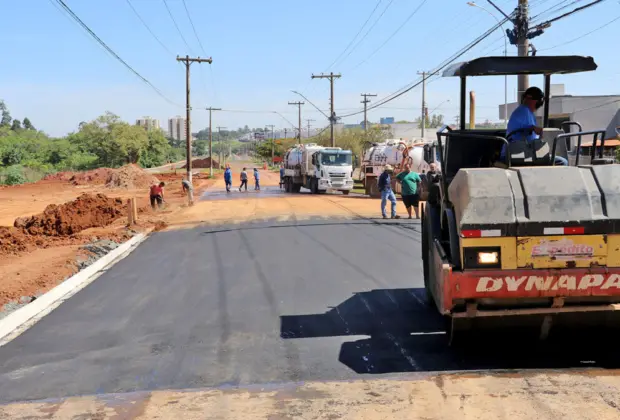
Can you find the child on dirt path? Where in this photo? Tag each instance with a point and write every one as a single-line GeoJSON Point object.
{"type": "Point", "coordinates": [157, 195]}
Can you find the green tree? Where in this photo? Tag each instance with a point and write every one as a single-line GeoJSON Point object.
{"type": "Point", "coordinates": [16, 125]}
{"type": "Point", "coordinates": [131, 139]}
{"type": "Point", "coordinates": [27, 124]}
{"type": "Point", "coordinates": [157, 151]}
{"type": "Point", "coordinates": [5, 121]}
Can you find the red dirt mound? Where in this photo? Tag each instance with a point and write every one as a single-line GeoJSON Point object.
{"type": "Point", "coordinates": [84, 212]}
{"type": "Point", "coordinates": [204, 163]}
{"type": "Point", "coordinates": [59, 176]}
{"type": "Point", "coordinates": [12, 240]}
{"type": "Point", "coordinates": [130, 176]}
{"type": "Point", "coordinates": [94, 177]}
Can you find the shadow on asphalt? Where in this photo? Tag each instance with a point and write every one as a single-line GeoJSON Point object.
{"type": "Point", "coordinates": [407, 335]}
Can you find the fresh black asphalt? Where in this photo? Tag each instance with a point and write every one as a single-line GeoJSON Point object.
{"type": "Point", "coordinates": [255, 304]}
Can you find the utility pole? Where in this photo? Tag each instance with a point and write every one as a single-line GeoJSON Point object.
{"type": "Point", "coordinates": [188, 132]}
{"type": "Point", "coordinates": [219, 142]}
{"type": "Point", "coordinates": [272, 142]}
{"type": "Point", "coordinates": [423, 102]}
{"type": "Point", "coordinates": [210, 109]}
{"type": "Point", "coordinates": [521, 29]}
{"type": "Point", "coordinates": [309, 121]}
{"type": "Point", "coordinates": [365, 102]}
{"type": "Point", "coordinates": [332, 116]}
{"type": "Point", "coordinates": [298, 104]}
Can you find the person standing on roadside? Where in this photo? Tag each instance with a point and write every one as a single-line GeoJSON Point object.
{"type": "Point", "coordinates": [244, 180]}
{"type": "Point", "coordinates": [256, 180]}
{"type": "Point", "coordinates": [157, 195]}
{"type": "Point", "coordinates": [409, 181]}
{"type": "Point", "coordinates": [281, 176]}
{"type": "Point", "coordinates": [228, 178]}
{"type": "Point", "coordinates": [385, 186]}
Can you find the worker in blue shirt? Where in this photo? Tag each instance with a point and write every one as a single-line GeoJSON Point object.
{"type": "Point", "coordinates": [523, 117]}
{"type": "Point", "coordinates": [385, 186]}
{"type": "Point", "coordinates": [228, 178]}
{"type": "Point", "coordinates": [256, 180]}
{"type": "Point", "coordinates": [281, 175]}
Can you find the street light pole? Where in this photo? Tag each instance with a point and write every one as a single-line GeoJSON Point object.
{"type": "Point", "coordinates": [471, 3]}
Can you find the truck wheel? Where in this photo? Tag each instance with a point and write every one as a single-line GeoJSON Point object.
{"type": "Point", "coordinates": [373, 190]}
{"type": "Point", "coordinates": [346, 192]}
{"type": "Point", "coordinates": [314, 186]}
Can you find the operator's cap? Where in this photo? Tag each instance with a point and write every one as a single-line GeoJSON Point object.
{"type": "Point", "coordinates": [388, 167]}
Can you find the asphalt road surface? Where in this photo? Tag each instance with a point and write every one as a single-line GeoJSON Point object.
{"type": "Point", "coordinates": [256, 304]}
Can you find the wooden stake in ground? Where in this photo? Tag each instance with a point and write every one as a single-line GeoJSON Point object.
{"type": "Point", "coordinates": [132, 212]}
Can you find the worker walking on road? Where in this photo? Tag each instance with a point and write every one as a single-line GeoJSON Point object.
{"type": "Point", "coordinates": [256, 180]}
{"type": "Point", "coordinates": [244, 180]}
{"type": "Point", "coordinates": [409, 181]}
{"type": "Point", "coordinates": [228, 178]}
{"type": "Point", "coordinates": [157, 195]}
{"type": "Point", "coordinates": [385, 186]}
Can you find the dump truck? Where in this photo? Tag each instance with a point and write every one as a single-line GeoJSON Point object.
{"type": "Point", "coordinates": [318, 169]}
{"type": "Point", "coordinates": [519, 238]}
{"type": "Point", "coordinates": [396, 153]}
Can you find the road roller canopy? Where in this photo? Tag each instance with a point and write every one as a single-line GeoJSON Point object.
{"type": "Point", "coordinates": [500, 66]}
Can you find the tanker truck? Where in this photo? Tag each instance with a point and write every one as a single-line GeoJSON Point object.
{"type": "Point", "coordinates": [318, 169]}
{"type": "Point", "coordinates": [396, 153]}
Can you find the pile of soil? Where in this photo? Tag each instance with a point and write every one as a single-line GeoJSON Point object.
{"type": "Point", "coordinates": [86, 211]}
{"type": "Point", "coordinates": [130, 176]}
{"type": "Point", "coordinates": [94, 177]}
{"type": "Point", "coordinates": [13, 240]}
{"type": "Point", "coordinates": [204, 163]}
{"type": "Point", "coordinates": [59, 176]}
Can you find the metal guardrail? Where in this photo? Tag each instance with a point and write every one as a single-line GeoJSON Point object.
{"type": "Point", "coordinates": [579, 134]}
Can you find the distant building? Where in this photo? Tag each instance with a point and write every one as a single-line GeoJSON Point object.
{"type": "Point", "coordinates": [387, 120]}
{"type": "Point", "coordinates": [148, 123]}
{"type": "Point", "coordinates": [177, 127]}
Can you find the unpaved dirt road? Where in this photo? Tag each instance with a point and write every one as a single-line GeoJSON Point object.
{"type": "Point", "coordinates": [259, 307]}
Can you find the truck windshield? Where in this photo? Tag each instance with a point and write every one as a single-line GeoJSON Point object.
{"type": "Point", "coordinates": [335, 159]}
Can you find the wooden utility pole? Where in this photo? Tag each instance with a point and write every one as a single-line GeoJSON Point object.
{"type": "Point", "coordinates": [298, 104]}
{"type": "Point", "coordinates": [272, 142]}
{"type": "Point", "coordinates": [219, 142]}
{"type": "Point", "coordinates": [332, 116]}
{"type": "Point", "coordinates": [188, 131]}
{"type": "Point", "coordinates": [309, 121]}
{"type": "Point", "coordinates": [423, 103]}
{"type": "Point", "coordinates": [210, 109]}
{"type": "Point", "coordinates": [365, 102]}
{"type": "Point", "coordinates": [522, 27]}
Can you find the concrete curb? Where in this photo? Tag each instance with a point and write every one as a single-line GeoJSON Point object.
{"type": "Point", "coordinates": [22, 319]}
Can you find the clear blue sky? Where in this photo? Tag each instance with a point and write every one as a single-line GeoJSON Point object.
{"type": "Point", "coordinates": [57, 75]}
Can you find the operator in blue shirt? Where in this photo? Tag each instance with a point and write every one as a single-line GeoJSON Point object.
{"type": "Point", "coordinates": [523, 117]}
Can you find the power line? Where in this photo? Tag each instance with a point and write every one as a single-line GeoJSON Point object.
{"type": "Point", "coordinates": [110, 51]}
{"type": "Point", "coordinates": [578, 9]}
{"type": "Point", "coordinates": [177, 26]}
{"type": "Point", "coordinates": [193, 27]}
{"type": "Point", "coordinates": [368, 31]}
{"type": "Point", "coordinates": [148, 28]}
{"type": "Point", "coordinates": [441, 66]}
{"type": "Point", "coordinates": [355, 37]}
{"type": "Point", "coordinates": [391, 36]}
{"type": "Point", "coordinates": [581, 36]}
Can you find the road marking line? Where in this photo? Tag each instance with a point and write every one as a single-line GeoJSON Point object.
{"type": "Point", "coordinates": [25, 317]}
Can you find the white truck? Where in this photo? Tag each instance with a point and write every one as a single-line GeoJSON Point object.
{"type": "Point", "coordinates": [318, 169]}
{"type": "Point", "coordinates": [395, 153]}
